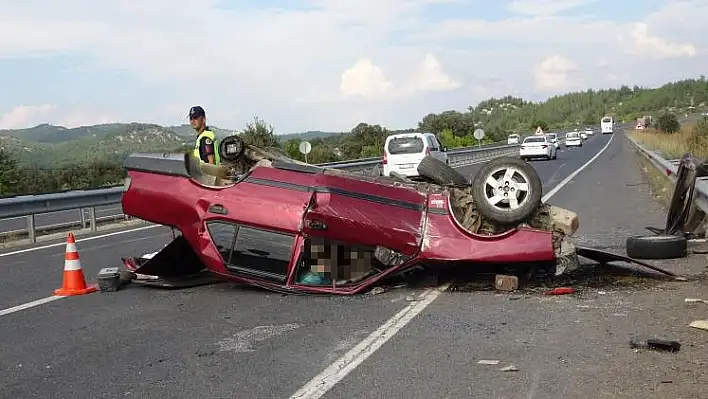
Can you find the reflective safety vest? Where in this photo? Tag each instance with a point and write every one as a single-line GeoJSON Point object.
{"type": "Point", "coordinates": [210, 135]}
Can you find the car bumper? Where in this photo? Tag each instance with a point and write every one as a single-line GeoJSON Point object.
{"type": "Point", "coordinates": [573, 143]}
{"type": "Point", "coordinates": [535, 153]}
{"type": "Point", "coordinates": [408, 170]}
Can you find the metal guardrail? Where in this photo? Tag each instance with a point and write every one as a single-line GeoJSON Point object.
{"type": "Point", "coordinates": [30, 206]}
{"type": "Point", "coordinates": [373, 161]}
{"type": "Point", "coordinates": [670, 168]}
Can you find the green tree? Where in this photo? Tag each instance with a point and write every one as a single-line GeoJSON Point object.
{"type": "Point", "coordinates": [259, 133]}
{"type": "Point", "coordinates": [668, 123]}
{"type": "Point", "coordinates": [539, 123]}
{"type": "Point", "coordinates": [292, 149]}
{"type": "Point", "coordinates": [8, 174]}
{"type": "Point", "coordinates": [699, 135]}
{"type": "Point", "coordinates": [364, 141]}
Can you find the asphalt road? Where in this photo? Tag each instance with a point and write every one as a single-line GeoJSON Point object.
{"type": "Point", "coordinates": [227, 341]}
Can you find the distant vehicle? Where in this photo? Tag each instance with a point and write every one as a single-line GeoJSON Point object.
{"type": "Point", "coordinates": [537, 147]}
{"type": "Point", "coordinates": [572, 139]}
{"type": "Point", "coordinates": [583, 135]}
{"type": "Point", "coordinates": [404, 152]}
{"type": "Point", "coordinates": [589, 131]}
{"type": "Point", "coordinates": [513, 139]}
{"type": "Point", "coordinates": [643, 122]}
{"type": "Point", "coordinates": [554, 139]}
{"type": "Point", "coordinates": [607, 125]}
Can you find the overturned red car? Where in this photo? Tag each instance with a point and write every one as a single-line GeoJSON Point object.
{"type": "Point", "coordinates": [266, 220]}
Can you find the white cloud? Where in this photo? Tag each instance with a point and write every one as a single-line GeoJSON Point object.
{"type": "Point", "coordinates": [430, 76]}
{"type": "Point", "coordinates": [75, 118]}
{"type": "Point", "coordinates": [643, 43]}
{"type": "Point", "coordinates": [364, 79]}
{"type": "Point", "coordinates": [556, 73]}
{"type": "Point", "coordinates": [285, 64]}
{"type": "Point", "coordinates": [26, 115]}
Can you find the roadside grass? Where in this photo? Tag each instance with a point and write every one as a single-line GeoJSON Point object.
{"type": "Point", "coordinates": [692, 138]}
{"type": "Point", "coordinates": [660, 186]}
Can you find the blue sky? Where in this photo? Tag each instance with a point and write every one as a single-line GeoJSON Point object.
{"type": "Point", "coordinates": [327, 64]}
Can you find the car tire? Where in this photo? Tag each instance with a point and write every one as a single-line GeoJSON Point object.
{"type": "Point", "coordinates": [483, 193]}
{"type": "Point", "coordinates": [657, 247]}
{"type": "Point", "coordinates": [439, 172]}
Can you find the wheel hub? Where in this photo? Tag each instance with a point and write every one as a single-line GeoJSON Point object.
{"type": "Point", "coordinates": [508, 185]}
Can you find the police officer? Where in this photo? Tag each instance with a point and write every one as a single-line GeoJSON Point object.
{"type": "Point", "coordinates": [205, 147]}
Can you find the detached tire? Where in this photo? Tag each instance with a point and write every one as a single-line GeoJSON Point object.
{"type": "Point", "coordinates": [439, 172]}
{"type": "Point", "coordinates": [657, 247]}
{"type": "Point", "coordinates": [515, 179]}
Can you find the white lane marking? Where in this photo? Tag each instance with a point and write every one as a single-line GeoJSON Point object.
{"type": "Point", "coordinates": [30, 304]}
{"type": "Point", "coordinates": [22, 251]}
{"type": "Point", "coordinates": [572, 175]}
{"type": "Point", "coordinates": [335, 372]}
{"type": "Point", "coordinates": [324, 381]}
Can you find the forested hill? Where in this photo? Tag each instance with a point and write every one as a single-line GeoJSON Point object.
{"type": "Point", "coordinates": [47, 146]}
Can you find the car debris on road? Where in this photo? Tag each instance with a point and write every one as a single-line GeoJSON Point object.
{"type": "Point", "coordinates": [657, 344]}
{"type": "Point", "coordinates": [263, 219]}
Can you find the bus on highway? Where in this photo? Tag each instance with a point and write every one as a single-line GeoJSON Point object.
{"type": "Point", "coordinates": [606, 125]}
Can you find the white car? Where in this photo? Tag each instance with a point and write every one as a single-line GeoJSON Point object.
{"type": "Point", "coordinates": [573, 139]}
{"type": "Point", "coordinates": [583, 135]}
{"type": "Point", "coordinates": [589, 132]}
{"type": "Point", "coordinates": [554, 139]}
{"type": "Point", "coordinates": [513, 139]}
{"type": "Point", "coordinates": [403, 152]}
{"type": "Point", "coordinates": [537, 147]}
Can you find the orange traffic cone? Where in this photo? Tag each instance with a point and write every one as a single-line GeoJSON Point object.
{"type": "Point", "coordinates": [74, 282]}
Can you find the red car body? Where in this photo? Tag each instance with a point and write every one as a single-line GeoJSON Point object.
{"type": "Point", "coordinates": [262, 228]}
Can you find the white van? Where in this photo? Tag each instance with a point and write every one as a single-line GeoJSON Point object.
{"type": "Point", "coordinates": [403, 152]}
{"type": "Point", "coordinates": [513, 139]}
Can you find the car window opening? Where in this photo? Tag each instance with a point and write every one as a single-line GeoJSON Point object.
{"type": "Point", "coordinates": [405, 145]}
{"type": "Point", "coordinates": [324, 262]}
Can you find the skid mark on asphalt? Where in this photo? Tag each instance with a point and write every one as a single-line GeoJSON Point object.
{"type": "Point", "coordinates": [244, 341]}
{"type": "Point", "coordinates": [534, 385]}
{"type": "Point", "coordinates": [555, 175]}
{"type": "Point", "coordinates": [345, 344]}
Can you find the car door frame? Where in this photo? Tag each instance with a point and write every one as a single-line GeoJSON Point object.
{"type": "Point", "coordinates": [436, 148]}
{"type": "Point", "coordinates": [264, 188]}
